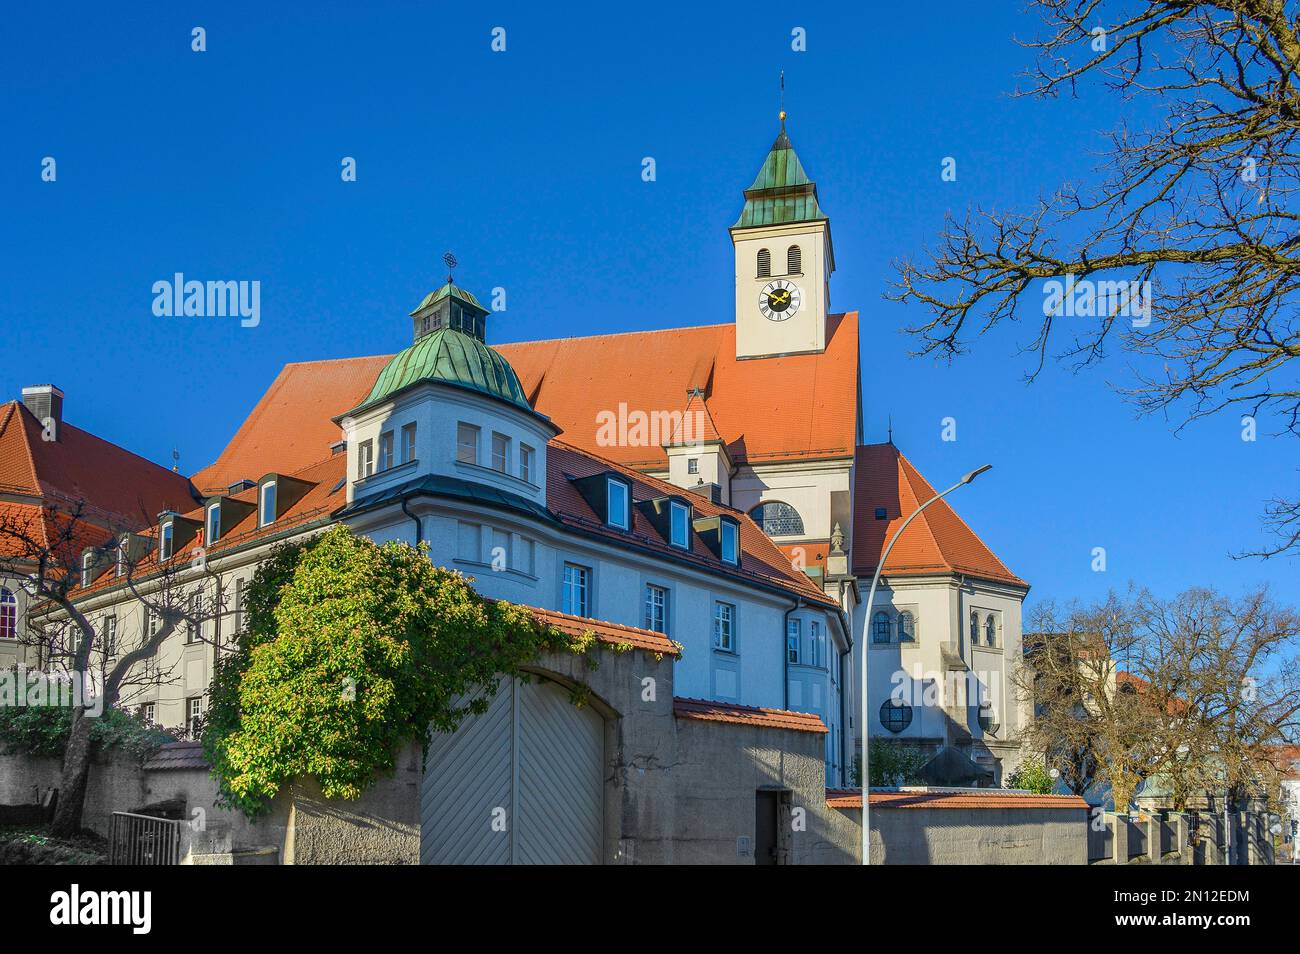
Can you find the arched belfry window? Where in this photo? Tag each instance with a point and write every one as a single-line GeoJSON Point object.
{"type": "Point", "coordinates": [764, 263]}
{"type": "Point", "coordinates": [777, 519]}
{"type": "Point", "coordinates": [794, 260]}
{"type": "Point", "coordinates": [974, 628]}
{"type": "Point", "coordinates": [880, 627]}
{"type": "Point", "coordinates": [991, 630]}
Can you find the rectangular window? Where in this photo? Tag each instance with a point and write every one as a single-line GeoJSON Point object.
{"type": "Point", "coordinates": [152, 623]}
{"type": "Point", "coordinates": [793, 635]}
{"type": "Point", "coordinates": [87, 561]}
{"type": "Point", "coordinates": [148, 711]}
{"type": "Point", "coordinates": [692, 465]}
{"type": "Point", "coordinates": [724, 627]}
{"type": "Point", "coordinates": [214, 525]}
{"type": "Point", "coordinates": [165, 547]}
{"type": "Point", "coordinates": [385, 451]}
{"type": "Point", "coordinates": [365, 459]}
{"type": "Point", "coordinates": [577, 590]}
{"type": "Point", "coordinates": [527, 556]}
{"type": "Point", "coordinates": [194, 715]}
{"type": "Point", "coordinates": [239, 605]}
{"type": "Point", "coordinates": [501, 558]}
{"type": "Point", "coordinates": [466, 443]}
{"type": "Point", "coordinates": [192, 610]}
{"type": "Point", "coordinates": [617, 503]}
{"type": "Point", "coordinates": [681, 525]}
{"type": "Point", "coordinates": [525, 463]}
{"type": "Point", "coordinates": [469, 542]}
{"type": "Point", "coordinates": [816, 651]}
{"type": "Point", "coordinates": [268, 501]}
{"type": "Point", "coordinates": [656, 608]}
{"type": "Point", "coordinates": [121, 557]}
{"type": "Point", "coordinates": [110, 635]}
{"type": "Point", "coordinates": [408, 442]}
{"type": "Point", "coordinates": [730, 542]}
{"type": "Point", "coordinates": [501, 453]}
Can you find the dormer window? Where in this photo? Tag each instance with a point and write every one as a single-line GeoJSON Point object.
{"type": "Point", "coordinates": [121, 556]}
{"type": "Point", "coordinates": [214, 524]}
{"type": "Point", "coordinates": [730, 543]}
{"type": "Point", "coordinates": [617, 499]}
{"type": "Point", "coordinates": [87, 564]}
{"type": "Point", "coordinates": [267, 511]}
{"type": "Point", "coordinates": [165, 537]}
{"type": "Point", "coordinates": [680, 526]}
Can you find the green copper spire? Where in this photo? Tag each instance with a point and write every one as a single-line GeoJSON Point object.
{"type": "Point", "coordinates": [781, 192]}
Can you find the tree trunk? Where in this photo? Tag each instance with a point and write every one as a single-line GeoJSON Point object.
{"type": "Point", "coordinates": [76, 772]}
{"type": "Point", "coordinates": [1121, 790]}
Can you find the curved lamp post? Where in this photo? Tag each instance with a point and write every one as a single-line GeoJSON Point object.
{"type": "Point", "coordinates": [866, 650]}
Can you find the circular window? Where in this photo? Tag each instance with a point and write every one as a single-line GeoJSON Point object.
{"type": "Point", "coordinates": [895, 716]}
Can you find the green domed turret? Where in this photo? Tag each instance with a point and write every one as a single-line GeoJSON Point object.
{"type": "Point", "coordinates": [448, 356]}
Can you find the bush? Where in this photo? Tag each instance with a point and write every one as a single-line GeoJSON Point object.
{"type": "Point", "coordinates": [1033, 776]}
{"type": "Point", "coordinates": [43, 730]}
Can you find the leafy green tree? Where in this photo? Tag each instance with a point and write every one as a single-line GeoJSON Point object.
{"type": "Point", "coordinates": [1032, 775]}
{"type": "Point", "coordinates": [351, 650]}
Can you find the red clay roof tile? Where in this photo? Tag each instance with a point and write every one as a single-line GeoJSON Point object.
{"type": "Point", "coordinates": [737, 714]}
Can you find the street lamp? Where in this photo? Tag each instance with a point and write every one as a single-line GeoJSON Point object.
{"type": "Point", "coordinates": [866, 651]}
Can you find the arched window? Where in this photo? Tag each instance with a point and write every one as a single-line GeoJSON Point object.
{"type": "Point", "coordinates": [794, 260]}
{"type": "Point", "coordinates": [8, 614]}
{"type": "Point", "coordinates": [991, 630]}
{"type": "Point", "coordinates": [880, 628]}
{"type": "Point", "coordinates": [777, 519]}
{"type": "Point", "coordinates": [974, 628]}
{"type": "Point", "coordinates": [764, 263]}
{"type": "Point", "coordinates": [906, 628]}
{"type": "Point", "coordinates": [895, 716]}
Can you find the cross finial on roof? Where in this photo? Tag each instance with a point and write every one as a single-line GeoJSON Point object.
{"type": "Point", "coordinates": [450, 261]}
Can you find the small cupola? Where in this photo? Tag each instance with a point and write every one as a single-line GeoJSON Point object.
{"type": "Point", "coordinates": [449, 307]}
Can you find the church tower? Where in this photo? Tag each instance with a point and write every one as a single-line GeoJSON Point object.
{"type": "Point", "coordinates": [783, 260]}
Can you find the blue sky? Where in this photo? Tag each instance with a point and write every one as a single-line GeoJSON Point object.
{"type": "Point", "coordinates": [225, 165]}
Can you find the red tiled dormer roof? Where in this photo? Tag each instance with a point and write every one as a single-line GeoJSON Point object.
{"type": "Point", "coordinates": [737, 714]}
{"type": "Point", "coordinates": [764, 409]}
{"type": "Point", "coordinates": [117, 487]}
{"type": "Point", "coordinates": [761, 561]}
{"type": "Point", "coordinates": [938, 541]}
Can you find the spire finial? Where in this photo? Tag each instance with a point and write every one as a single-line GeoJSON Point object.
{"type": "Point", "coordinates": [783, 99]}
{"type": "Point", "coordinates": [891, 428]}
{"type": "Point", "coordinates": [450, 261]}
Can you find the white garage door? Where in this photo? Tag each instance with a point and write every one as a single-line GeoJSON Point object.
{"type": "Point", "coordinates": [520, 784]}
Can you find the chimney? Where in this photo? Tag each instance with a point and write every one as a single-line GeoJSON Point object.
{"type": "Point", "coordinates": [45, 401]}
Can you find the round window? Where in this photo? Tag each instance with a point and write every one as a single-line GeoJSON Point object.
{"type": "Point", "coordinates": [895, 716]}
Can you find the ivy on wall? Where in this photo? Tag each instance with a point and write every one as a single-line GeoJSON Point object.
{"type": "Point", "coordinates": [350, 650]}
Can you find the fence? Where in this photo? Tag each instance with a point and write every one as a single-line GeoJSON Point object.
{"type": "Point", "coordinates": [1137, 837]}
{"type": "Point", "coordinates": [143, 840]}
{"type": "Point", "coordinates": [1101, 841]}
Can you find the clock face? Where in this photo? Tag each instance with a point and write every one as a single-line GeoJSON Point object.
{"type": "Point", "coordinates": [779, 300]}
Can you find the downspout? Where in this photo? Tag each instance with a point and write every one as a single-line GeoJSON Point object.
{"type": "Point", "coordinates": [844, 712]}
{"type": "Point", "coordinates": [785, 653]}
{"type": "Point", "coordinates": [419, 524]}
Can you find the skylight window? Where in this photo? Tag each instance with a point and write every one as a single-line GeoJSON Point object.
{"type": "Point", "coordinates": [617, 498]}
{"type": "Point", "coordinates": [730, 542]}
{"type": "Point", "coordinates": [268, 504]}
{"type": "Point", "coordinates": [680, 531]}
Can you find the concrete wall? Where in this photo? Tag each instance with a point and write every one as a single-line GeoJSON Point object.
{"type": "Point", "coordinates": [975, 836]}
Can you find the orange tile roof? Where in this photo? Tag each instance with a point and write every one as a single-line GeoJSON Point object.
{"type": "Point", "coordinates": [326, 496]}
{"type": "Point", "coordinates": [290, 427]}
{"type": "Point", "coordinates": [968, 798]}
{"type": "Point", "coordinates": [612, 633]}
{"type": "Point", "coordinates": [746, 715]}
{"type": "Point", "coordinates": [117, 488]}
{"type": "Point", "coordinates": [765, 409]}
{"type": "Point", "coordinates": [760, 560]}
{"type": "Point", "coordinates": [938, 541]}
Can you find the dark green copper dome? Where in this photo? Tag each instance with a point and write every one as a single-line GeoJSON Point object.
{"type": "Point", "coordinates": [447, 356]}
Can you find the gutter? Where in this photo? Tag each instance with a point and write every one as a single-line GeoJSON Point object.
{"type": "Point", "coordinates": [419, 523]}
{"type": "Point", "coordinates": [785, 653]}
